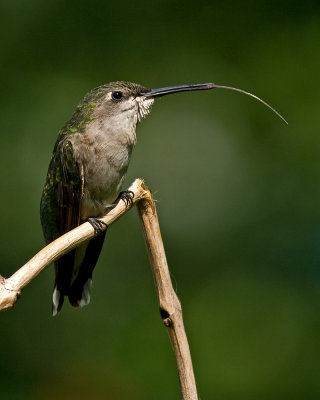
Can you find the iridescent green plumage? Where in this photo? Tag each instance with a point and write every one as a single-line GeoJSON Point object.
{"type": "Point", "coordinates": [63, 173]}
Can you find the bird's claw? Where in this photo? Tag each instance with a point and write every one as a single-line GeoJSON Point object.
{"type": "Point", "coordinates": [97, 225]}
{"type": "Point", "coordinates": [127, 196]}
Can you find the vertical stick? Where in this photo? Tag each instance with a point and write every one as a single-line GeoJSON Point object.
{"type": "Point", "coordinates": [170, 307]}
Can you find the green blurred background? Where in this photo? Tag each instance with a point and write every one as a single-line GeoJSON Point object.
{"type": "Point", "coordinates": [238, 198]}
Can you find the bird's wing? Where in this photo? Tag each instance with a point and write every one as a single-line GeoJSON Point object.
{"type": "Point", "coordinates": [60, 203]}
{"type": "Point", "coordinates": [60, 210]}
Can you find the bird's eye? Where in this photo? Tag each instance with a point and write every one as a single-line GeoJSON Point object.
{"type": "Point", "coordinates": [117, 96]}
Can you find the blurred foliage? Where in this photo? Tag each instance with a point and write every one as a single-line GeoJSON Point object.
{"type": "Point", "coordinates": [238, 198]}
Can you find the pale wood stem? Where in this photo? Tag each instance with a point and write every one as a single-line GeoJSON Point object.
{"type": "Point", "coordinates": [169, 304]}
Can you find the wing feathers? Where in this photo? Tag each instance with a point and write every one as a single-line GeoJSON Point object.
{"type": "Point", "coordinates": [60, 212]}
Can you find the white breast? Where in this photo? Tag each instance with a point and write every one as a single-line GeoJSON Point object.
{"type": "Point", "coordinates": [105, 161]}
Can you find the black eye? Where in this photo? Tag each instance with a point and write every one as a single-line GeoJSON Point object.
{"type": "Point", "coordinates": [117, 96]}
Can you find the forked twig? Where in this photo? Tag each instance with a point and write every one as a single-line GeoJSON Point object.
{"type": "Point", "coordinates": [170, 307]}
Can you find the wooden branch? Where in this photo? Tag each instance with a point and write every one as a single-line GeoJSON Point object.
{"type": "Point", "coordinates": [10, 288]}
{"type": "Point", "coordinates": [169, 304]}
{"type": "Point", "coordinates": [170, 307]}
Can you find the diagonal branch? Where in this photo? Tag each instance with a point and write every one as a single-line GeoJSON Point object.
{"type": "Point", "coordinates": [10, 288]}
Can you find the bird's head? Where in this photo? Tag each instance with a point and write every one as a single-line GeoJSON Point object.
{"type": "Point", "coordinates": [129, 101]}
{"type": "Point", "coordinates": [122, 104]}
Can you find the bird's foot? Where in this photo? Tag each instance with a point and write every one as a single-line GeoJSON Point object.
{"type": "Point", "coordinates": [97, 225]}
{"type": "Point", "coordinates": [127, 196]}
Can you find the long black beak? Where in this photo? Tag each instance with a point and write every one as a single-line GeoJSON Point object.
{"type": "Point", "coordinates": [179, 88]}
{"type": "Point", "coordinates": [202, 86]}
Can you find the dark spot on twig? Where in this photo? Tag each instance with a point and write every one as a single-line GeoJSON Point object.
{"type": "Point", "coordinates": [164, 314]}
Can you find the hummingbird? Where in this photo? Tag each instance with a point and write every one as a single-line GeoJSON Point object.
{"type": "Point", "coordinates": [86, 173]}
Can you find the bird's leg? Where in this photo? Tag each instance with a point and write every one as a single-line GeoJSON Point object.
{"type": "Point", "coordinates": [97, 225]}
{"type": "Point", "coordinates": [127, 196]}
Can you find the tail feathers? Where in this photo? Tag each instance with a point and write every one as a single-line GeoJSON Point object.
{"type": "Point", "coordinates": [57, 301]}
{"type": "Point", "coordinates": [86, 293]}
{"type": "Point", "coordinates": [80, 293]}
{"type": "Point", "coordinates": [74, 274]}
{"type": "Point", "coordinates": [76, 301]}
{"type": "Point", "coordinates": [63, 268]}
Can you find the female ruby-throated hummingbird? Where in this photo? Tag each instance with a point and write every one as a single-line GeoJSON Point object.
{"type": "Point", "coordinates": [87, 171]}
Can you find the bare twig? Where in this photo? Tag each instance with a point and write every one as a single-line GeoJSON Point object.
{"type": "Point", "coordinates": [170, 307]}
{"type": "Point", "coordinates": [10, 288]}
{"type": "Point", "coordinates": [169, 304]}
